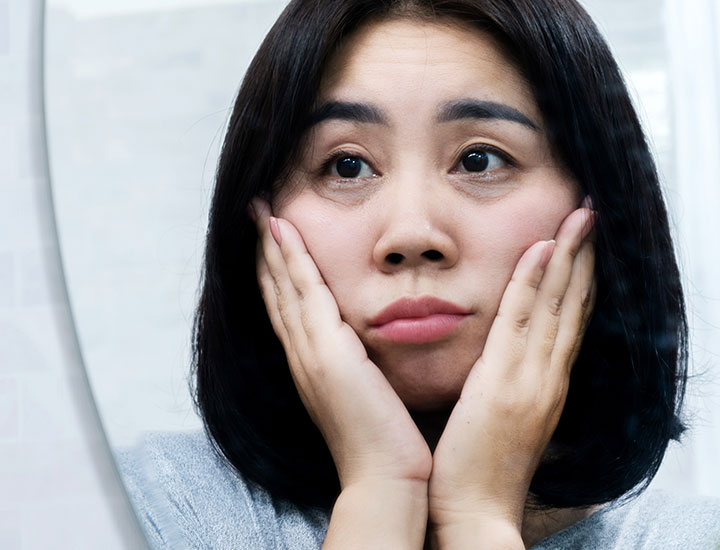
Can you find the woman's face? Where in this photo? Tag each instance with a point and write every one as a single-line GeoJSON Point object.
{"type": "Point", "coordinates": [427, 174]}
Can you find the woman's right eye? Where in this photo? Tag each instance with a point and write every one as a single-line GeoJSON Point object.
{"type": "Point", "coordinates": [347, 166]}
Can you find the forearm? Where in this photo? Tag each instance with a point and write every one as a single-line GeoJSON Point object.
{"type": "Point", "coordinates": [379, 514]}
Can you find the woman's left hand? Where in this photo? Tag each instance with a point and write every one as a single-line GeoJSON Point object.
{"type": "Point", "coordinates": [514, 395]}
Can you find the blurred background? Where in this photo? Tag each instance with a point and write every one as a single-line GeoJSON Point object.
{"type": "Point", "coordinates": [113, 113]}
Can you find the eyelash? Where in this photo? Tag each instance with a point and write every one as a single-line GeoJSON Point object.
{"type": "Point", "coordinates": [333, 157]}
{"type": "Point", "coordinates": [484, 148]}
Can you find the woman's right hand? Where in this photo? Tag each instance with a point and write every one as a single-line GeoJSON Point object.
{"type": "Point", "coordinates": [377, 448]}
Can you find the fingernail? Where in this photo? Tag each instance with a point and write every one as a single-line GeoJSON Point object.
{"type": "Point", "coordinates": [587, 202]}
{"type": "Point", "coordinates": [547, 253]}
{"type": "Point", "coordinates": [275, 230]}
{"type": "Point", "coordinates": [589, 223]}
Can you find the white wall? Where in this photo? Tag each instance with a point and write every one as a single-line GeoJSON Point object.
{"type": "Point", "coordinates": [693, 28]}
{"type": "Point", "coordinates": [57, 486]}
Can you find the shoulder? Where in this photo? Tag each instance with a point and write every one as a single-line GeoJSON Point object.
{"type": "Point", "coordinates": [188, 496]}
{"type": "Point", "coordinates": [653, 520]}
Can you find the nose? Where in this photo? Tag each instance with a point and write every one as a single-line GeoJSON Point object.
{"type": "Point", "coordinates": [417, 232]}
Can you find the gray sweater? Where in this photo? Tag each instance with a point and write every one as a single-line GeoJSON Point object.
{"type": "Point", "coordinates": [189, 498]}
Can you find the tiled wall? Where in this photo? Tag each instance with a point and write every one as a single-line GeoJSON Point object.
{"type": "Point", "coordinates": [57, 488]}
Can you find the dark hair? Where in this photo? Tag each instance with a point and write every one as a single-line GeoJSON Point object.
{"type": "Point", "coordinates": [627, 385]}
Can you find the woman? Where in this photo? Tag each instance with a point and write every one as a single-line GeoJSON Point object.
{"type": "Point", "coordinates": [414, 179]}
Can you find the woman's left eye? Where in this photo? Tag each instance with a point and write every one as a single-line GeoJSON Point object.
{"type": "Point", "coordinates": [348, 166]}
{"type": "Point", "coordinates": [478, 161]}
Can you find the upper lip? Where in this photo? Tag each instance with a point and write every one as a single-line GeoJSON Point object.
{"type": "Point", "coordinates": [413, 308]}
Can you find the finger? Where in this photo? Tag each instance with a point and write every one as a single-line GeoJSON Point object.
{"type": "Point", "coordinates": [320, 315]}
{"type": "Point", "coordinates": [307, 306]}
{"type": "Point", "coordinates": [285, 301]}
{"type": "Point", "coordinates": [545, 318]}
{"type": "Point", "coordinates": [269, 294]}
{"type": "Point", "coordinates": [577, 309]}
{"type": "Point", "coordinates": [509, 329]}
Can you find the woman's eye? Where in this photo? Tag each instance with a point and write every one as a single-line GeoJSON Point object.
{"type": "Point", "coordinates": [351, 167]}
{"type": "Point", "coordinates": [481, 161]}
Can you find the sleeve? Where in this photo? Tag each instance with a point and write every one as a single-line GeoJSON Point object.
{"type": "Point", "coordinates": [654, 520]}
{"type": "Point", "coordinates": [187, 497]}
{"type": "Point", "coordinates": [151, 506]}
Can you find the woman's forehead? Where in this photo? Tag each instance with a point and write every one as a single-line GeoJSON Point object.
{"type": "Point", "coordinates": [423, 66]}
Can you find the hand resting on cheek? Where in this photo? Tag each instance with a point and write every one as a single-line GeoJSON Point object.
{"type": "Point", "coordinates": [477, 480]}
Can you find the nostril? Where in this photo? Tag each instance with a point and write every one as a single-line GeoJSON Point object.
{"type": "Point", "coordinates": [394, 258]}
{"type": "Point", "coordinates": [433, 255]}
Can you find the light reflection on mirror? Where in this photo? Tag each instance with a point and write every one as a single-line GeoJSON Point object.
{"type": "Point", "coordinates": [137, 98]}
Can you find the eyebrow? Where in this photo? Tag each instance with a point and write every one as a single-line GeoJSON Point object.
{"type": "Point", "coordinates": [473, 108]}
{"type": "Point", "coordinates": [343, 110]}
{"type": "Point", "coordinates": [366, 113]}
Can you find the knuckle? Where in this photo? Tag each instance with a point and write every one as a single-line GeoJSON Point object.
{"type": "Point", "coordinates": [522, 323]}
{"type": "Point", "coordinates": [301, 292]}
{"type": "Point", "coordinates": [283, 310]}
{"type": "Point", "coordinates": [305, 290]}
{"type": "Point", "coordinates": [279, 299]}
{"type": "Point", "coordinates": [304, 286]}
{"type": "Point", "coordinates": [554, 305]}
{"type": "Point", "coordinates": [588, 299]}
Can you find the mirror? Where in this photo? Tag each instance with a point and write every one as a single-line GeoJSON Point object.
{"type": "Point", "coordinates": [138, 94]}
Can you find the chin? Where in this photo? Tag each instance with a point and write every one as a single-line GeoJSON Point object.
{"type": "Point", "coordinates": [426, 381]}
{"type": "Point", "coordinates": [429, 377]}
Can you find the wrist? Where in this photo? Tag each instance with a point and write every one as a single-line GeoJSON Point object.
{"type": "Point", "coordinates": [399, 490]}
{"type": "Point", "coordinates": [477, 533]}
{"type": "Point", "coordinates": [379, 513]}
{"type": "Point", "coordinates": [470, 509]}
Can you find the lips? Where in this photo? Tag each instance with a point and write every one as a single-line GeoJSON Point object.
{"type": "Point", "coordinates": [418, 320]}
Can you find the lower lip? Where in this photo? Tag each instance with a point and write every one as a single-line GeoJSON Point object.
{"type": "Point", "coordinates": [420, 330]}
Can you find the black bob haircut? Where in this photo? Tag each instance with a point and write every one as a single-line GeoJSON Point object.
{"type": "Point", "coordinates": [627, 386]}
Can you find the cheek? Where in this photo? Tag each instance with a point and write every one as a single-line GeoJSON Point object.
{"type": "Point", "coordinates": [492, 237]}
{"type": "Point", "coordinates": [335, 242]}
{"type": "Point", "coordinates": [502, 232]}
